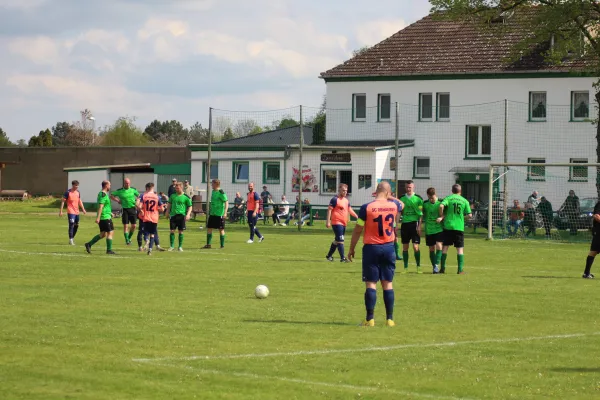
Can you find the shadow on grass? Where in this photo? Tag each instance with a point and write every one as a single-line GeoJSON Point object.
{"type": "Point", "coordinates": [575, 370]}
{"type": "Point", "coordinates": [551, 277]}
{"type": "Point", "coordinates": [283, 321]}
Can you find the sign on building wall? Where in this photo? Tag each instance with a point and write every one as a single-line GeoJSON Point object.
{"type": "Point", "coordinates": [336, 157]}
{"type": "Point", "coordinates": [307, 180]}
{"type": "Point", "coordinates": [364, 181]}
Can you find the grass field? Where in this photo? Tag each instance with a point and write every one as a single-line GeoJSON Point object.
{"type": "Point", "coordinates": [521, 324]}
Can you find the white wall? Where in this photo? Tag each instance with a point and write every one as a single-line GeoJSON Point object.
{"type": "Point", "coordinates": [90, 183]}
{"type": "Point", "coordinates": [138, 180]}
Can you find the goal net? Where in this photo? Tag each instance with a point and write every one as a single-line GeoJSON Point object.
{"type": "Point", "coordinates": [540, 201]}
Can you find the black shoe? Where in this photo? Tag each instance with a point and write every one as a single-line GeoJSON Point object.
{"type": "Point", "coordinates": [88, 248]}
{"type": "Point", "coordinates": [222, 247]}
{"type": "Point", "coordinates": [110, 252]}
{"type": "Point", "coordinates": [329, 258]}
{"type": "Point", "coordinates": [443, 271]}
{"type": "Point", "coordinates": [588, 276]}
{"type": "Point", "coordinates": [343, 260]}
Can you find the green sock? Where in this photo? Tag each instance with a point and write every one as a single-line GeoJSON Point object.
{"type": "Point", "coordinates": [461, 262]}
{"type": "Point", "coordinates": [108, 244]}
{"type": "Point", "coordinates": [438, 257]}
{"type": "Point", "coordinates": [126, 234]}
{"type": "Point", "coordinates": [444, 256]}
{"type": "Point", "coordinates": [397, 250]}
{"type": "Point", "coordinates": [222, 240]}
{"type": "Point", "coordinates": [432, 257]}
{"type": "Point", "coordinates": [95, 240]}
{"type": "Point", "coordinates": [418, 258]}
{"type": "Point", "coordinates": [405, 258]}
{"type": "Point", "coordinates": [130, 235]}
{"type": "Point", "coordinates": [209, 238]}
{"type": "Point", "coordinates": [181, 240]}
{"type": "Point", "coordinates": [172, 239]}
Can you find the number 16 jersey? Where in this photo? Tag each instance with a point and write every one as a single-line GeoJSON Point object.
{"type": "Point", "coordinates": [378, 218]}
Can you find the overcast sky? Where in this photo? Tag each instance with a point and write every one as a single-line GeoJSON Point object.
{"type": "Point", "coordinates": [174, 59]}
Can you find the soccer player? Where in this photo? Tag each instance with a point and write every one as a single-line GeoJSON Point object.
{"type": "Point", "coordinates": [73, 200]}
{"type": "Point", "coordinates": [377, 219]}
{"type": "Point", "coordinates": [252, 205]}
{"type": "Point", "coordinates": [410, 230]}
{"type": "Point", "coordinates": [433, 229]}
{"type": "Point", "coordinates": [179, 211]}
{"type": "Point", "coordinates": [142, 236]}
{"type": "Point", "coordinates": [453, 210]}
{"type": "Point", "coordinates": [127, 196]}
{"type": "Point", "coordinates": [595, 247]}
{"type": "Point", "coordinates": [150, 205]}
{"type": "Point", "coordinates": [104, 220]}
{"type": "Point", "coordinates": [218, 209]}
{"type": "Point", "coordinates": [337, 217]}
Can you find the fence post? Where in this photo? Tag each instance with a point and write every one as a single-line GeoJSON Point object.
{"type": "Point", "coordinates": [505, 180]}
{"type": "Point", "coordinates": [490, 202]}
{"type": "Point", "coordinates": [396, 134]}
{"type": "Point", "coordinates": [208, 163]}
{"type": "Point", "coordinates": [300, 171]}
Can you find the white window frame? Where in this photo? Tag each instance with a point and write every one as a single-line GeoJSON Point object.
{"type": "Point", "coordinates": [572, 177]}
{"type": "Point", "coordinates": [214, 163]}
{"type": "Point", "coordinates": [536, 178]}
{"type": "Point", "coordinates": [574, 106]}
{"type": "Point", "coordinates": [235, 164]}
{"type": "Point", "coordinates": [532, 106]}
{"type": "Point", "coordinates": [421, 118]}
{"type": "Point", "coordinates": [416, 175]}
{"type": "Point", "coordinates": [439, 107]}
{"type": "Point", "coordinates": [479, 154]}
{"type": "Point", "coordinates": [380, 107]}
{"type": "Point", "coordinates": [337, 169]}
{"type": "Point", "coordinates": [354, 108]}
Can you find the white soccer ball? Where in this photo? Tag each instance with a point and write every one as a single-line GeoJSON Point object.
{"type": "Point", "coordinates": [261, 292]}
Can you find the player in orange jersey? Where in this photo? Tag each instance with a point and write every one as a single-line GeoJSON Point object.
{"type": "Point", "coordinates": [73, 199]}
{"type": "Point", "coordinates": [337, 217]}
{"type": "Point", "coordinates": [150, 204]}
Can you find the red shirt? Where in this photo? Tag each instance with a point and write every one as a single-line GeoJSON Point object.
{"type": "Point", "coordinates": [253, 201]}
{"type": "Point", "coordinates": [340, 209]}
{"type": "Point", "coordinates": [72, 198]}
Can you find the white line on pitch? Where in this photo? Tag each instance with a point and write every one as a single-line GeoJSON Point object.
{"type": "Point", "coordinates": [365, 349]}
{"type": "Point", "coordinates": [29, 253]}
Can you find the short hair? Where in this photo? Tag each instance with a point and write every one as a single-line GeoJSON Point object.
{"type": "Point", "coordinates": [409, 182]}
{"type": "Point", "coordinates": [216, 182]}
{"type": "Point", "coordinates": [149, 185]}
{"type": "Point", "coordinates": [179, 184]}
{"type": "Point", "coordinates": [456, 188]}
{"type": "Point", "coordinates": [75, 182]}
{"type": "Point", "coordinates": [343, 185]}
{"type": "Point", "coordinates": [104, 184]}
{"type": "Point", "coordinates": [383, 187]}
{"type": "Point", "coordinates": [431, 191]}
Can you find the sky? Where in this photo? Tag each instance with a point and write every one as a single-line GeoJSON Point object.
{"type": "Point", "coordinates": [161, 59]}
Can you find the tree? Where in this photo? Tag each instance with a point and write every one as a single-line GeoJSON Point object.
{"type": "Point", "coordinates": [21, 143]}
{"type": "Point", "coordinates": [43, 139]}
{"type": "Point", "coordinates": [124, 132]}
{"type": "Point", "coordinates": [256, 130]}
{"type": "Point", "coordinates": [197, 134]}
{"type": "Point", "coordinates": [360, 51]}
{"type": "Point", "coordinates": [4, 140]}
{"type": "Point", "coordinates": [154, 129]}
{"type": "Point", "coordinates": [570, 25]}
{"type": "Point", "coordinates": [168, 132]}
{"type": "Point", "coordinates": [245, 127]}
{"type": "Point", "coordinates": [319, 124]}
{"type": "Point", "coordinates": [228, 134]}
{"type": "Point", "coordinates": [60, 131]}
{"type": "Point", "coordinates": [287, 122]}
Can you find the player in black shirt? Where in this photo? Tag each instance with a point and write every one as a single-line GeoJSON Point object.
{"type": "Point", "coordinates": [595, 247]}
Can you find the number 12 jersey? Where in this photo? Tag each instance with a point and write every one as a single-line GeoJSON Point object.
{"type": "Point", "coordinates": [378, 218]}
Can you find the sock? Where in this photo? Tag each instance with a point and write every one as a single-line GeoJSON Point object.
{"type": "Point", "coordinates": [130, 235]}
{"type": "Point", "coordinates": [432, 258]}
{"type": "Point", "coordinates": [438, 257]}
{"type": "Point", "coordinates": [95, 240]}
{"type": "Point", "coordinates": [332, 249]}
{"type": "Point", "coordinates": [588, 264]}
{"type": "Point", "coordinates": [418, 258]}
{"type": "Point", "coordinates": [75, 228]}
{"type": "Point", "coordinates": [397, 250]}
{"type": "Point", "coordinates": [172, 239]}
{"type": "Point", "coordinates": [340, 248]}
{"type": "Point", "coordinates": [126, 235]}
{"type": "Point", "coordinates": [461, 262]}
{"type": "Point", "coordinates": [388, 299]}
{"type": "Point", "coordinates": [405, 258]}
{"type": "Point", "coordinates": [139, 238]}
{"type": "Point", "coordinates": [108, 244]}
{"type": "Point", "coordinates": [151, 242]}
{"type": "Point", "coordinates": [370, 301]}
{"type": "Point", "coordinates": [209, 238]}
{"type": "Point", "coordinates": [222, 237]}
{"type": "Point", "coordinates": [181, 240]}
{"type": "Point", "coordinates": [444, 256]}
{"type": "Point", "coordinates": [156, 241]}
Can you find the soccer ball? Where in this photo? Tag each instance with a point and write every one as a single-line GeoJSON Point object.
{"type": "Point", "coordinates": [261, 292]}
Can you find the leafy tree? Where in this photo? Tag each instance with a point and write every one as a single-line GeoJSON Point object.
{"type": "Point", "coordinates": [34, 141]}
{"type": "Point", "coordinates": [197, 134]}
{"type": "Point", "coordinates": [60, 131]}
{"type": "Point", "coordinates": [43, 139]}
{"type": "Point", "coordinates": [256, 130]}
{"type": "Point", "coordinates": [360, 51]}
{"type": "Point", "coordinates": [124, 132]}
{"type": "Point", "coordinates": [228, 134]}
{"type": "Point", "coordinates": [168, 132]}
{"type": "Point", "coordinates": [319, 124]}
{"type": "Point", "coordinates": [22, 143]}
{"type": "Point", "coordinates": [245, 127]}
{"type": "Point", "coordinates": [4, 140]}
{"type": "Point", "coordinates": [287, 122]}
{"type": "Point", "coordinates": [154, 130]}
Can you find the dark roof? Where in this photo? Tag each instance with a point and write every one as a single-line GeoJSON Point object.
{"type": "Point", "coordinates": [278, 137]}
{"type": "Point", "coordinates": [366, 143]}
{"type": "Point", "coordinates": [435, 46]}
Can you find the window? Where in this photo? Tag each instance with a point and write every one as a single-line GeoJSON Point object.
{"type": "Point", "coordinates": [271, 172]}
{"type": "Point", "coordinates": [580, 106]}
{"type": "Point", "coordinates": [443, 106]}
{"type": "Point", "coordinates": [384, 107]}
{"type": "Point", "coordinates": [214, 170]}
{"type": "Point", "coordinates": [537, 106]}
{"type": "Point", "coordinates": [421, 167]}
{"type": "Point", "coordinates": [479, 142]}
{"type": "Point", "coordinates": [359, 107]}
{"type": "Point", "coordinates": [241, 171]}
{"type": "Point", "coordinates": [425, 107]}
{"type": "Point", "coordinates": [332, 178]}
{"type": "Point", "coordinates": [578, 174]}
{"type": "Point", "coordinates": [535, 173]}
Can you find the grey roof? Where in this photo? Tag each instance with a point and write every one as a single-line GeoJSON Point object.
{"type": "Point", "coordinates": [278, 137]}
{"type": "Point", "coordinates": [366, 143]}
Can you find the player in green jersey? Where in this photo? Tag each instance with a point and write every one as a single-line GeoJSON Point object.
{"type": "Point", "coordinates": [127, 196]}
{"type": "Point", "coordinates": [453, 210]}
{"type": "Point", "coordinates": [433, 229]}
{"type": "Point", "coordinates": [218, 209]}
{"type": "Point", "coordinates": [410, 230]}
{"type": "Point", "coordinates": [104, 220]}
{"type": "Point", "coordinates": [179, 210]}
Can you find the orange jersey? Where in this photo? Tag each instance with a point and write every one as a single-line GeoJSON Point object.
{"type": "Point", "coordinates": [253, 201]}
{"type": "Point", "coordinates": [378, 218]}
{"type": "Point", "coordinates": [340, 209]}
{"type": "Point", "coordinates": [150, 207]}
{"type": "Point", "coordinates": [72, 198]}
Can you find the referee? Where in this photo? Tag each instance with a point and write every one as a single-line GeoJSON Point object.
{"type": "Point", "coordinates": [218, 209]}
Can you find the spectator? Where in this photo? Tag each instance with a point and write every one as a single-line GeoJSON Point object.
{"type": "Point", "coordinates": [187, 189]}
{"type": "Point", "coordinates": [164, 199]}
{"type": "Point", "coordinates": [293, 213]}
{"type": "Point", "coordinates": [306, 210]}
{"type": "Point", "coordinates": [516, 218]}
{"type": "Point", "coordinates": [264, 195]}
{"type": "Point", "coordinates": [533, 199]}
{"type": "Point", "coordinates": [284, 210]}
{"type": "Point", "coordinates": [530, 219]}
{"type": "Point", "coordinates": [545, 209]}
{"type": "Point", "coordinates": [571, 208]}
{"type": "Point", "coordinates": [172, 187]}
{"type": "Point", "coordinates": [238, 208]}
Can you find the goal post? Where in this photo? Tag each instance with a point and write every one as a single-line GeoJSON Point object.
{"type": "Point", "coordinates": [539, 200]}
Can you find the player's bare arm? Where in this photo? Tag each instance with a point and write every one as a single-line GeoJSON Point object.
{"type": "Point", "coordinates": [355, 238]}
{"type": "Point", "coordinates": [188, 214]}
{"type": "Point", "coordinates": [99, 213]}
{"type": "Point", "coordinates": [225, 209]}
{"type": "Point", "coordinates": [82, 207]}
{"type": "Point", "coordinates": [441, 217]}
{"type": "Point", "coordinates": [351, 211]}
{"type": "Point", "coordinates": [62, 204]}
{"type": "Point", "coordinates": [597, 217]}
{"type": "Point", "coordinates": [328, 220]}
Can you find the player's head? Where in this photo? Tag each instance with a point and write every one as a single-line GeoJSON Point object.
{"type": "Point", "coordinates": [431, 193]}
{"type": "Point", "coordinates": [105, 185]}
{"type": "Point", "coordinates": [251, 187]}
{"type": "Point", "coordinates": [410, 187]}
{"type": "Point", "coordinates": [237, 194]}
{"type": "Point", "coordinates": [216, 184]}
{"type": "Point", "coordinates": [75, 185]}
{"type": "Point", "coordinates": [149, 186]}
{"type": "Point", "coordinates": [543, 199]}
{"type": "Point", "coordinates": [516, 202]}
{"type": "Point", "coordinates": [126, 183]}
{"type": "Point", "coordinates": [456, 189]}
{"type": "Point", "coordinates": [342, 190]}
{"type": "Point", "coordinates": [383, 190]}
{"type": "Point", "coordinates": [571, 193]}
{"type": "Point", "coordinates": [535, 194]}
{"type": "Point", "coordinates": [179, 187]}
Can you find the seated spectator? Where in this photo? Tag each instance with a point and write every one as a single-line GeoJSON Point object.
{"type": "Point", "coordinates": [516, 219]}
{"type": "Point", "coordinates": [306, 210]}
{"type": "Point", "coordinates": [284, 210]}
{"type": "Point", "coordinates": [238, 208]}
{"type": "Point", "coordinates": [293, 213]}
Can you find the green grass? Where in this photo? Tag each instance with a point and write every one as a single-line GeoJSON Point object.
{"type": "Point", "coordinates": [74, 324]}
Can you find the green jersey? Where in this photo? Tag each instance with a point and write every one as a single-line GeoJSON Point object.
{"type": "Point", "coordinates": [217, 203]}
{"type": "Point", "coordinates": [413, 208]}
{"type": "Point", "coordinates": [104, 199]}
{"type": "Point", "coordinates": [127, 197]}
{"type": "Point", "coordinates": [431, 212]}
{"type": "Point", "coordinates": [179, 203]}
{"type": "Point", "coordinates": [455, 209]}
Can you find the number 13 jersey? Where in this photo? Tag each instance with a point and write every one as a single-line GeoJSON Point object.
{"type": "Point", "coordinates": [378, 218]}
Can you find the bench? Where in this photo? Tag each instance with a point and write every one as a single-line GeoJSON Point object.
{"type": "Point", "coordinates": [197, 205]}
{"type": "Point", "coordinates": [18, 194]}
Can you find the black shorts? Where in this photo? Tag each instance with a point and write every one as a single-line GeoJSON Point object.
{"type": "Point", "coordinates": [177, 222]}
{"type": "Point", "coordinates": [595, 243]}
{"type": "Point", "coordinates": [129, 216]}
{"type": "Point", "coordinates": [106, 225]}
{"type": "Point", "coordinates": [408, 232]}
{"type": "Point", "coordinates": [431, 240]}
{"type": "Point", "coordinates": [215, 222]}
{"type": "Point", "coordinates": [454, 238]}
{"type": "Point", "coordinates": [150, 228]}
